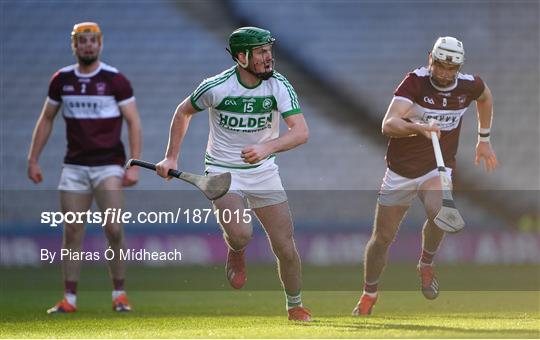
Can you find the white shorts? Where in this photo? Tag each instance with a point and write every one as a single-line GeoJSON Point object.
{"type": "Point", "coordinates": [85, 179]}
{"type": "Point", "coordinates": [397, 190]}
{"type": "Point", "coordinates": [258, 188]}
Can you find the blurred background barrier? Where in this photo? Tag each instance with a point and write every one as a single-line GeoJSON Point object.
{"type": "Point", "coordinates": [316, 248]}
{"type": "Point", "coordinates": [344, 58]}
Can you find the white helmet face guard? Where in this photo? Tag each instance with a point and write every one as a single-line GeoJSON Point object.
{"type": "Point", "coordinates": [449, 50]}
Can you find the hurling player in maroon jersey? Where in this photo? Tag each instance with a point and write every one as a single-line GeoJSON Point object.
{"type": "Point", "coordinates": [438, 92]}
{"type": "Point", "coordinates": [94, 99]}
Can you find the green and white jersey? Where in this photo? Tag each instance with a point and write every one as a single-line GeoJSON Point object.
{"type": "Point", "coordinates": [240, 115]}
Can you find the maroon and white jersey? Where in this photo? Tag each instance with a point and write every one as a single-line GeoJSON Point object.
{"type": "Point", "coordinates": [90, 107]}
{"type": "Point", "coordinates": [413, 157]}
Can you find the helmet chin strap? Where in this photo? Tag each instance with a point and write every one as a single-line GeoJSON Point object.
{"type": "Point", "coordinates": [246, 64]}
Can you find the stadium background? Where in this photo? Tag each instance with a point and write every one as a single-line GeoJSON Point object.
{"type": "Point", "coordinates": [344, 59]}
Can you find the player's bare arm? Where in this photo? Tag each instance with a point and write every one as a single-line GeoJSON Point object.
{"type": "Point", "coordinates": [394, 123]}
{"type": "Point", "coordinates": [179, 125]}
{"type": "Point", "coordinates": [40, 136]}
{"type": "Point", "coordinates": [131, 115]}
{"type": "Point", "coordinates": [484, 151]}
{"type": "Point", "coordinates": [297, 134]}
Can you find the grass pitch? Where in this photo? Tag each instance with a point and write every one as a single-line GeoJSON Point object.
{"type": "Point", "coordinates": [214, 311]}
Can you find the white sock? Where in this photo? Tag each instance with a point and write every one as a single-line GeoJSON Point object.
{"type": "Point", "coordinates": [117, 293]}
{"type": "Point", "coordinates": [370, 294]}
{"type": "Point", "coordinates": [71, 299]}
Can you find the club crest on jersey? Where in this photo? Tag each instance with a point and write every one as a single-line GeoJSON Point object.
{"type": "Point", "coordinates": [100, 88]}
{"type": "Point", "coordinates": [267, 103]}
{"type": "Point", "coordinates": [462, 99]}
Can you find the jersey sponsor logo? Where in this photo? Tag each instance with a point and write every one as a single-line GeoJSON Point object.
{"type": "Point", "coordinates": [80, 104]}
{"type": "Point", "coordinates": [429, 100]}
{"type": "Point", "coordinates": [68, 88]}
{"type": "Point", "coordinates": [245, 123]}
{"type": "Point", "coordinates": [90, 107]}
{"type": "Point", "coordinates": [446, 120]}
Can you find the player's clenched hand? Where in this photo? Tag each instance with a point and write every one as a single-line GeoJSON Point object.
{"type": "Point", "coordinates": [255, 153]}
{"type": "Point", "coordinates": [425, 130]}
{"type": "Point", "coordinates": [34, 172]}
{"type": "Point", "coordinates": [131, 177]}
{"type": "Point", "coordinates": [163, 167]}
{"type": "Point", "coordinates": [485, 151]}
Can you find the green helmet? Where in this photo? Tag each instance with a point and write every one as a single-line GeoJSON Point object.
{"type": "Point", "coordinates": [246, 38]}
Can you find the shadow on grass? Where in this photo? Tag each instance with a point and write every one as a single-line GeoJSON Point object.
{"type": "Point", "coordinates": [364, 324]}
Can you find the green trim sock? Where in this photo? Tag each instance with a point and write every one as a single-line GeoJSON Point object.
{"type": "Point", "coordinates": [293, 300]}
